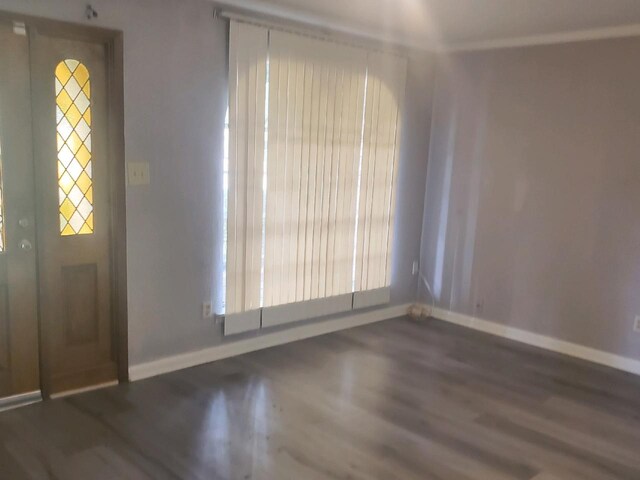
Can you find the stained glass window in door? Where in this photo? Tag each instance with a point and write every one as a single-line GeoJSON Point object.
{"type": "Point", "coordinates": [73, 117]}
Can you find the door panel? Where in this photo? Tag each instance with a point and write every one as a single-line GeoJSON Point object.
{"type": "Point", "coordinates": [18, 283]}
{"type": "Point", "coordinates": [72, 178]}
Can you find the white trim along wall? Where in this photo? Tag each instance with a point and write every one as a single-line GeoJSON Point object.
{"type": "Point", "coordinates": [191, 359]}
{"type": "Point", "coordinates": [232, 349]}
{"type": "Point", "coordinates": [542, 341]}
{"type": "Point", "coordinates": [547, 39]}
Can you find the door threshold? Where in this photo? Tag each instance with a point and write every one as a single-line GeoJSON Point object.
{"type": "Point", "coordinates": [20, 400]}
{"type": "Point", "coordinates": [90, 388]}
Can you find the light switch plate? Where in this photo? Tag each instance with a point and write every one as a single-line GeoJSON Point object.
{"type": "Point", "coordinates": [138, 173]}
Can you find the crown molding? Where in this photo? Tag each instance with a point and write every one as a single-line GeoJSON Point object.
{"type": "Point", "coordinates": [546, 39]}
{"type": "Point", "coordinates": [279, 15]}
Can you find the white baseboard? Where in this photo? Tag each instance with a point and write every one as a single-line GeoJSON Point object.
{"type": "Point", "coordinates": [90, 388]}
{"type": "Point", "coordinates": [20, 400]}
{"type": "Point", "coordinates": [191, 359]}
{"type": "Point", "coordinates": [548, 343]}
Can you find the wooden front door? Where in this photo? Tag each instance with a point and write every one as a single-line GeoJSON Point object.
{"type": "Point", "coordinates": [72, 164]}
{"type": "Point", "coordinates": [62, 260]}
{"type": "Point", "coordinates": [18, 282]}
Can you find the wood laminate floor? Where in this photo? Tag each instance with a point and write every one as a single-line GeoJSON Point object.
{"type": "Point", "coordinates": [394, 400]}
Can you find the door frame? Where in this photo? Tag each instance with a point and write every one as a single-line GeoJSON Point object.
{"type": "Point", "coordinates": [113, 42]}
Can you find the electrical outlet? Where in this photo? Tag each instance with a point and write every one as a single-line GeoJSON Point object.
{"type": "Point", "coordinates": [636, 324]}
{"type": "Point", "coordinates": [19, 28]}
{"type": "Point", "coordinates": [207, 311]}
{"type": "Point", "coordinates": [414, 269]}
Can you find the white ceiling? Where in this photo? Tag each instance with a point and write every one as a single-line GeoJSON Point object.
{"type": "Point", "coordinates": [434, 23]}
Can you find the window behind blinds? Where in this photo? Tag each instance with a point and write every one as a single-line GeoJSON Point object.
{"type": "Point", "coordinates": [247, 79]}
{"type": "Point", "coordinates": [314, 129]}
{"type": "Point", "coordinates": [316, 104]}
{"type": "Point", "coordinates": [385, 93]}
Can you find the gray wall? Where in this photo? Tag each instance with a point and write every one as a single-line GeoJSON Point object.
{"type": "Point", "coordinates": [175, 99]}
{"type": "Point", "coordinates": [414, 150]}
{"type": "Point", "coordinates": [532, 206]}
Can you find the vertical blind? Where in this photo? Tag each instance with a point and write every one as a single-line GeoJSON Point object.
{"type": "Point", "coordinates": [316, 94]}
{"type": "Point", "coordinates": [247, 80]}
{"type": "Point", "coordinates": [385, 93]}
{"type": "Point", "coordinates": [310, 211]}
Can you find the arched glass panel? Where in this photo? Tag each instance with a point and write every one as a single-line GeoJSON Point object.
{"type": "Point", "coordinates": [73, 117]}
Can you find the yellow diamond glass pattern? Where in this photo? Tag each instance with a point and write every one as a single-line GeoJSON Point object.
{"type": "Point", "coordinates": [73, 117]}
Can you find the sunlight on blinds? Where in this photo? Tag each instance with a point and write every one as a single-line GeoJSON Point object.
{"type": "Point", "coordinates": [247, 85]}
{"type": "Point", "coordinates": [385, 93]}
{"type": "Point", "coordinates": [316, 94]}
{"type": "Point", "coordinates": [320, 225]}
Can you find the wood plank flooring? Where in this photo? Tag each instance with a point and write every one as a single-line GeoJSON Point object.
{"type": "Point", "coordinates": [399, 399]}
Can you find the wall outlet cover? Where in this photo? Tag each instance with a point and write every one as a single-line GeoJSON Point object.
{"type": "Point", "coordinates": [207, 311]}
{"type": "Point", "coordinates": [19, 28]}
{"type": "Point", "coordinates": [636, 324]}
